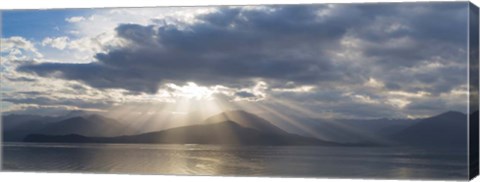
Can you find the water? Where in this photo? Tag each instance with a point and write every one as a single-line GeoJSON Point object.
{"type": "Point", "coordinates": [343, 162]}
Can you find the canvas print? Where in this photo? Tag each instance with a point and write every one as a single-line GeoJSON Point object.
{"type": "Point", "coordinates": [361, 90]}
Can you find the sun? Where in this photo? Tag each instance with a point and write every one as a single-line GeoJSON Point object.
{"type": "Point", "coordinates": [191, 91]}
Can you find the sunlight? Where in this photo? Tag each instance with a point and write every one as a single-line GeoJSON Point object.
{"type": "Point", "coordinates": [193, 104]}
{"type": "Point", "coordinates": [290, 122]}
{"type": "Point", "coordinates": [191, 91]}
{"type": "Point", "coordinates": [317, 115]}
{"type": "Point", "coordinates": [176, 106]}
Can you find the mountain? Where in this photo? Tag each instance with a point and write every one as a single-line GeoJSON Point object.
{"type": "Point", "coordinates": [17, 127]}
{"type": "Point", "coordinates": [228, 128]}
{"type": "Point", "coordinates": [13, 121]}
{"type": "Point", "coordinates": [445, 130]}
{"type": "Point", "coordinates": [92, 125]}
{"type": "Point", "coordinates": [245, 119]}
{"type": "Point", "coordinates": [243, 128]}
{"type": "Point", "coordinates": [220, 133]}
{"type": "Point", "coordinates": [350, 130]}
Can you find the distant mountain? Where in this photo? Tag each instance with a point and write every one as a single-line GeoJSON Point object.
{"type": "Point", "coordinates": [445, 130]}
{"type": "Point", "coordinates": [76, 113]}
{"type": "Point", "coordinates": [235, 129]}
{"type": "Point", "coordinates": [243, 128]}
{"type": "Point", "coordinates": [13, 121]}
{"type": "Point", "coordinates": [92, 125]}
{"type": "Point", "coordinates": [351, 130]}
{"type": "Point", "coordinates": [219, 133]}
{"type": "Point", "coordinates": [245, 119]}
{"type": "Point", "coordinates": [17, 127]}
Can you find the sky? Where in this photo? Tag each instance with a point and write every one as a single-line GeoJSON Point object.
{"type": "Point", "coordinates": [388, 60]}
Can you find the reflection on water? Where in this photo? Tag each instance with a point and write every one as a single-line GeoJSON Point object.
{"type": "Point", "coordinates": [377, 162]}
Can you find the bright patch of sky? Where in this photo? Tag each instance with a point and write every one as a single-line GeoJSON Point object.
{"type": "Point", "coordinates": [38, 24]}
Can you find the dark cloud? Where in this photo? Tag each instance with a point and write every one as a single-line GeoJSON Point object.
{"type": "Point", "coordinates": [230, 46]}
{"type": "Point", "coordinates": [244, 94]}
{"type": "Point", "coordinates": [20, 79]}
{"type": "Point", "coordinates": [48, 101]}
{"type": "Point", "coordinates": [45, 99]}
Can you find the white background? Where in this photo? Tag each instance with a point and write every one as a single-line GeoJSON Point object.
{"type": "Point", "coordinates": [53, 177]}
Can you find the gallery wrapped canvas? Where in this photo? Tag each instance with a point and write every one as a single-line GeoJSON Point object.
{"type": "Point", "coordinates": [356, 90]}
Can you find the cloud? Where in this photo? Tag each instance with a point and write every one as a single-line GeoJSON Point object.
{"type": "Point", "coordinates": [75, 19]}
{"type": "Point", "coordinates": [17, 45]}
{"type": "Point", "coordinates": [20, 79]}
{"type": "Point", "coordinates": [286, 44]}
{"type": "Point", "coordinates": [46, 101]}
{"type": "Point", "coordinates": [389, 57]}
{"type": "Point", "coordinates": [58, 42]}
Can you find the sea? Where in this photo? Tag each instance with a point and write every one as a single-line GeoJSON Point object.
{"type": "Point", "coordinates": [272, 161]}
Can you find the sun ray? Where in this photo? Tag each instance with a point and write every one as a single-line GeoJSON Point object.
{"type": "Point", "coordinates": [292, 123]}
{"type": "Point", "coordinates": [361, 133]}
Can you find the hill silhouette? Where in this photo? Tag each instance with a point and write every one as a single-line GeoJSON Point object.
{"type": "Point", "coordinates": [247, 120]}
{"type": "Point", "coordinates": [17, 127]}
{"type": "Point", "coordinates": [219, 133]}
{"type": "Point", "coordinates": [448, 129]}
{"type": "Point", "coordinates": [239, 127]}
{"type": "Point", "coordinates": [92, 125]}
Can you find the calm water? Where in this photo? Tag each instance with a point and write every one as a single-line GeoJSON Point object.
{"type": "Point", "coordinates": [362, 162]}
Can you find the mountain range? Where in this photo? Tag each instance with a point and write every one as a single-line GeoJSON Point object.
{"type": "Point", "coordinates": [221, 133]}
{"type": "Point", "coordinates": [447, 129]}
{"type": "Point", "coordinates": [242, 128]}
{"type": "Point", "coordinates": [17, 127]}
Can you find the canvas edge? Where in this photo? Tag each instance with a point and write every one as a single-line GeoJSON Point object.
{"type": "Point", "coordinates": [473, 62]}
{"type": "Point", "coordinates": [1, 98]}
{"type": "Point", "coordinates": [473, 104]}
